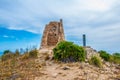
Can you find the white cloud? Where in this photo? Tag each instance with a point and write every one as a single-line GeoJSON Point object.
{"type": "Point", "coordinates": [96, 5]}
{"type": "Point", "coordinates": [8, 36]}
{"type": "Point", "coordinates": [99, 19]}
{"type": "Point", "coordinates": [5, 36]}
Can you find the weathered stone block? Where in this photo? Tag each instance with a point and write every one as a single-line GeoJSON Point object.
{"type": "Point", "coordinates": [52, 34]}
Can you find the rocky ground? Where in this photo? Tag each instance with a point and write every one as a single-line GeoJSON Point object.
{"type": "Point", "coordinates": [44, 68]}
{"type": "Point", "coordinates": [76, 71]}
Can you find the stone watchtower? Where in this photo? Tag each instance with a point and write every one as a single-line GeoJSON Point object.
{"type": "Point", "coordinates": [52, 34]}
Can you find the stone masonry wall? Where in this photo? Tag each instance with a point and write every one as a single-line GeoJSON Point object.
{"type": "Point", "coordinates": [52, 34]}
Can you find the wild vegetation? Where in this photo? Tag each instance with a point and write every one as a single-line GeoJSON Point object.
{"type": "Point", "coordinates": [69, 52]}
{"type": "Point", "coordinates": [22, 66]}
{"type": "Point", "coordinates": [95, 60]}
{"type": "Point", "coordinates": [16, 65]}
{"type": "Point", "coordinates": [113, 58]}
{"type": "Point", "coordinates": [104, 55]}
{"type": "Point", "coordinates": [116, 58]}
{"type": "Point", "coordinates": [7, 54]}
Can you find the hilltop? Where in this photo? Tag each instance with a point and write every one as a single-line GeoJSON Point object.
{"type": "Point", "coordinates": [58, 59]}
{"type": "Point", "coordinates": [44, 67]}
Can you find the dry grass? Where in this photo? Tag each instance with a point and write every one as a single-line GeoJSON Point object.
{"type": "Point", "coordinates": [25, 68]}
{"type": "Point", "coordinates": [20, 68]}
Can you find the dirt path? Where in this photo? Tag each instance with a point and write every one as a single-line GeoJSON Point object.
{"type": "Point", "coordinates": [76, 71]}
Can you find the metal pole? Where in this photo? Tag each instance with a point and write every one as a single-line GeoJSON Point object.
{"type": "Point", "coordinates": [84, 40]}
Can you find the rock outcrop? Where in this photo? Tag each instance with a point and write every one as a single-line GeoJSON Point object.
{"type": "Point", "coordinates": [90, 52]}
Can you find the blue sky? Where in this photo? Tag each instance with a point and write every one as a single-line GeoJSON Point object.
{"type": "Point", "coordinates": [98, 19]}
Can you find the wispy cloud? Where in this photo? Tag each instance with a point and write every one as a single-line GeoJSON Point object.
{"type": "Point", "coordinates": [8, 36]}
{"type": "Point", "coordinates": [5, 36]}
{"type": "Point", "coordinates": [99, 19]}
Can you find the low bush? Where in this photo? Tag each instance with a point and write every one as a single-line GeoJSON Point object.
{"type": "Point", "coordinates": [104, 55]}
{"type": "Point", "coordinates": [6, 51]}
{"type": "Point", "coordinates": [95, 60]}
{"type": "Point", "coordinates": [33, 53]}
{"type": "Point", "coordinates": [69, 52]}
{"type": "Point", "coordinates": [115, 58]}
{"type": "Point", "coordinates": [7, 56]}
{"type": "Point", "coordinates": [25, 56]}
{"type": "Point", "coordinates": [17, 53]}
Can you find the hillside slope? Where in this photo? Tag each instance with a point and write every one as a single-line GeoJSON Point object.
{"type": "Point", "coordinates": [44, 68]}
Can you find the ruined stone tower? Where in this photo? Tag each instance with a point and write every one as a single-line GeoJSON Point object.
{"type": "Point", "coordinates": [52, 34]}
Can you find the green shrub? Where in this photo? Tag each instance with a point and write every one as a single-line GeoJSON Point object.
{"type": "Point", "coordinates": [115, 58]}
{"type": "Point", "coordinates": [68, 52]}
{"type": "Point", "coordinates": [7, 54]}
{"type": "Point", "coordinates": [33, 53]}
{"type": "Point", "coordinates": [6, 51]}
{"type": "Point", "coordinates": [116, 54]}
{"type": "Point", "coordinates": [104, 55]}
{"type": "Point", "coordinates": [95, 60]}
